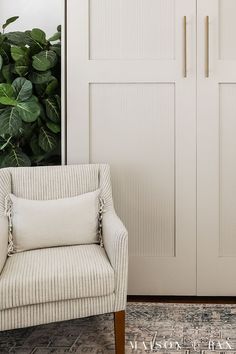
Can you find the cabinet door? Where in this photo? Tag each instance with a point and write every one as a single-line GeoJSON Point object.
{"type": "Point", "coordinates": [130, 105]}
{"type": "Point", "coordinates": [216, 147]}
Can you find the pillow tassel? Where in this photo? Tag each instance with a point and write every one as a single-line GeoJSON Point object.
{"type": "Point", "coordinates": [100, 215]}
{"type": "Point", "coordinates": [8, 213]}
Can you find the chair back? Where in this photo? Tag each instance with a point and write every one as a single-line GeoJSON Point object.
{"type": "Point", "coordinates": [53, 182]}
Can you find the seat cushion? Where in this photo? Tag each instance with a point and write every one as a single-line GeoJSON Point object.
{"type": "Point", "coordinates": [54, 274]}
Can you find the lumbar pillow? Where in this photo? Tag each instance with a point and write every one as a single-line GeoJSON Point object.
{"type": "Point", "coordinates": [49, 223]}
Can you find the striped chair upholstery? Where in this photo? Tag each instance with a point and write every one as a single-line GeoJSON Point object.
{"type": "Point", "coordinates": [61, 283]}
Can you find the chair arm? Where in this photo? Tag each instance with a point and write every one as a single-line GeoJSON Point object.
{"type": "Point", "coordinates": [115, 238]}
{"type": "Point", "coordinates": [3, 241]}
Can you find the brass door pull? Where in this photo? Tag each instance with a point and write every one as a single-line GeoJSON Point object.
{"type": "Point", "coordinates": [185, 46]}
{"type": "Point", "coordinates": [207, 47]}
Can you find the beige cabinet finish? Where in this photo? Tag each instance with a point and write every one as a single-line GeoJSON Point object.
{"type": "Point", "coordinates": [139, 99]}
{"type": "Point", "coordinates": [216, 152]}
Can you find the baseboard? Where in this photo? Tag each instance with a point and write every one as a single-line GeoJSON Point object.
{"type": "Point", "coordinates": [184, 299]}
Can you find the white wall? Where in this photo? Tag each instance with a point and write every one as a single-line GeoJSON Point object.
{"type": "Point", "coordinates": [44, 14]}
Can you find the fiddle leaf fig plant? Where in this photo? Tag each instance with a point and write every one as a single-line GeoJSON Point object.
{"type": "Point", "coordinates": [30, 97]}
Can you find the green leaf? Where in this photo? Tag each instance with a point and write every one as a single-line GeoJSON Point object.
{"type": "Point", "coordinates": [56, 48]}
{"type": "Point", "coordinates": [59, 28]}
{"type": "Point", "coordinates": [42, 112]}
{"type": "Point", "coordinates": [44, 60]}
{"type": "Point", "coordinates": [6, 90]}
{"type": "Point", "coordinates": [34, 99]}
{"type": "Point", "coordinates": [40, 89]}
{"type": "Point", "coordinates": [2, 156]}
{"type": "Point", "coordinates": [4, 55]}
{"type": "Point", "coordinates": [1, 62]}
{"type": "Point", "coordinates": [58, 99]}
{"type": "Point", "coordinates": [16, 158]}
{"type": "Point", "coordinates": [7, 73]}
{"type": "Point", "coordinates": [22, 67]}
{"type": "Point", "coordinates": [55, 37]}
{"type": "Point", "coordinates": [4, 142]}
{"type": "Point", "coordinates": [34, 144]}
{"type": "Point", "coordinates": [17, 38]}
{"type": "Point", "coordinates": [38, 35]}
{"type": "Point", "coordinates": [7, 101]}
{"type": "Point", "coordinates": [7, 96]}
{"type": "Point", "coordinates": [47, 140]}
{"type": "Point", "coordinates": [2, 38]}
{"type": "Point", "coordinates": [1, 78]}
{"type": "Point", "coordinates": [29, 110]}
{"type": "Point", "coordinates": [55, 128]}
{"type": "Point", "coordinates": [40, 78]}
{"type": "Point", "coordinates": [9, 20]}
{"type": "Point", "coordinates": [19, 53]}
{"type": "Point", "coordinates": [27, 130]}
{"type": "Point", "coordinates": [52, 109]}
{"type": "Point", "coordinates": [52, 86]}
{"type": "Point", "coordinates": [10, 122]}
{"type": "Point", "coordinates": [48, 88]}
{"type": "Point", "coordinates": [36, 159]}
{"type": "Point", "coordinates": [23, 88]}
{"type": "Point", "coordinates": [34, 46]}
{"type": "Point", "coordinates": [49, 158]}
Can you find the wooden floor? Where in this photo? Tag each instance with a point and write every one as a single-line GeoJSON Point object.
{"type": "Point", "coordinates": [184, 299]}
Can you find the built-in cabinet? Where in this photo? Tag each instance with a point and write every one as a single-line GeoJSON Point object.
{"type": "Point", "coordinates": [151, 89]}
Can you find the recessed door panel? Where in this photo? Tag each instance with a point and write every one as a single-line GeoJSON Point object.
{"type": "Point", "coordinates": [139, 121]}
{"type": "Point", "coordinates": [121, 29]}
{"type": "Point", "coordinates": [227, 159]}
{"type": "Point", "coordinates": [227, 29]}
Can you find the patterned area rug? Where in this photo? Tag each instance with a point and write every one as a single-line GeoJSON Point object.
{"type": "Point", "coordinates": [150, 327]}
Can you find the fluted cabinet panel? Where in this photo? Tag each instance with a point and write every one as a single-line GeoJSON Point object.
{"type": "Point", "coordinates": [134, 29]}
{"type": "Point", "coordinates": [227, 169]}
{"type": "Point", "coordinates": [227, 29]}
{"type": "Point", "coordinates": [139, 120]}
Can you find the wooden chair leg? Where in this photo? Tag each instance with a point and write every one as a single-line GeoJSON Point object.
{"type": "Point", "coordinates": [119, 324]}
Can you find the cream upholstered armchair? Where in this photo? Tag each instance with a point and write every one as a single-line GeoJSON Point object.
{"type": "Point", "coordinates": [61, 283]}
